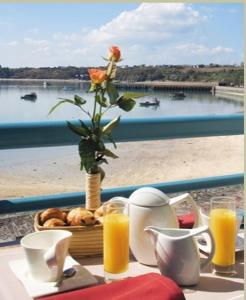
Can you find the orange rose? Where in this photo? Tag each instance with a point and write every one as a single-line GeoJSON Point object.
{"type": "Point", "coordinates": [114, 53]}
{"type": "Point", "coordinates": [97, 76]}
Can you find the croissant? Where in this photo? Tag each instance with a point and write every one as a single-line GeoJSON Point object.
{"type": "Point", "coordinates": [80, 216]}
{"type": "Point", "coordinates": [52, 213]}
{"type": "Point", "coordinates": [53, 222]}
{"type": "Point", "coordinates": [100, 220]}
{"type": "Point", "coordinates": [99, 212]}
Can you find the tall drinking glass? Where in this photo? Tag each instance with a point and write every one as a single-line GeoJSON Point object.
{"type": "Point", "coordinates": [115, 240]}
{"type": "Point", "coordinates": [223, 223]}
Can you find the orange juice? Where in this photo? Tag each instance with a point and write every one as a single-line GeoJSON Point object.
{"type": "Point", "coordinates": [223, 227]}
{"type": "Point", "coordinates": [116, 243]}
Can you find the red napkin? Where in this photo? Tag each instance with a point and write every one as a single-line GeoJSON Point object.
{"type": "Point", "coordinates": [151, 286]}
{"type": "Point", "coordinates": [186, 221]}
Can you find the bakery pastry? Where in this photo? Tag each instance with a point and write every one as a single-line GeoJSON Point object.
{"type": "Point", "coordinates": [100, 220]}
{"type": "Point", "coordinates": [53, 222]}
{"type": "Point", "coordinates": [80, 216]}
{"type": "Point", "coordinates": [98, 212]}
{"type": "Point", "coordinates": [52, 213]}
{"type": "Point", "coordinates": [73, 213]}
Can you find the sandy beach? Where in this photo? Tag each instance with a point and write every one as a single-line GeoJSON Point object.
{"type": "Point", "coordinates": [27, 172]}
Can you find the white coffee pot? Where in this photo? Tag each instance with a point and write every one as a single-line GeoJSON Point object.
{"type": "Point", "coordinates": [151, 207]}
{"type": "Point", "coordinates": [177, 252]}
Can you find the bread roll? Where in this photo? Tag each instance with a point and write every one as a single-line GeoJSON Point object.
{"type": "Point", "coordinates": [80, 216]}
{"type": "Point", "coordinates": [52, 213]}
{"type": "Point", "coordinates": [53, 222]}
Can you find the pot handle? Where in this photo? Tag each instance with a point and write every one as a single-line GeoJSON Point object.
{"type": "Point", "coordinates": [125, 200]}
{"type": "Point", "coordinates": [50, 257]}
{"type": "Point", "coordinates": [187, 197]}
{"type": "Point", "coordinates": [210, 242]}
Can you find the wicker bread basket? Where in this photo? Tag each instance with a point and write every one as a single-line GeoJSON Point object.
{"type": "Point", "coordinates": [85, 241]}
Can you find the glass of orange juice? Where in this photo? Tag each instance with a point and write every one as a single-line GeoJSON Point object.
{"type": "Point", "coordinates": [115, 239]}
{"type": "Point", "coordinates": [223, 224]}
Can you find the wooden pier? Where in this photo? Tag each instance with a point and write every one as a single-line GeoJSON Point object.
{"type": "Point", "coordinates": [168, 85]}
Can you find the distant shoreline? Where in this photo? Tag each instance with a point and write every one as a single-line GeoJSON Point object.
{"type": "Point", "coordinates": [43, 80]}
{"type": "Point", "coordinates": [147, 83]}
{"type": "Point", "coordinates": [232, 93]}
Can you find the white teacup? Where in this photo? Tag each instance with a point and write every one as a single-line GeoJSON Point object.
{"type": "Point", "coordinates": [45, 253]}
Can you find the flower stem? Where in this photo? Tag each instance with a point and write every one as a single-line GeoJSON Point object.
{"type": "Point", "coordinates": [94, 109]}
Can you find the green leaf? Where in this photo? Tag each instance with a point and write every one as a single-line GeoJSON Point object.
{"type": "Point", "coordinates": [107, 129]}
{"type": "Point", "coordinates": [104, 58]}
{"type": "Point", "coordinates": [112, 141]}
{"type": "Point", "coordinates": [79, 100]}
{"type": "Point", "coordinates": [84, 126]}
{"type": "Point", "coordinates": [101, 101]}
{"type": "Point", "coordinates": [133, 95]}
{"type": "Point", "coordinates": [59, 103]}
{"type": "Point", "coordinates": [112, 93]}
{"type": "Point", "coordinates": [102, 173]}
{"type": "Point", "coordinates": [100, 146]}
{"type": "Point", "coordinates": [97, 117]}
{"type": "Point", "coordinates": [126, 104]}
{"type": "Point", "coordinates": [109, 153]}
{"type": "Point", "coordinates": [78, 130]}
{"type": "Point", "coordinates": [87, 152]}
{"type": "Point", "coordinates": [102, 160]}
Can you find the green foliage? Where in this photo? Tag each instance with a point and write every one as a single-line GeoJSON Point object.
{"type": "Point", "coordinates": [125, 103]}
{"type": "Point", "coordinates": [232, 75]}
{"type": "Point", "coordinates": [112, 93]}
{"type": "Point", "coordinates": [101, 100]}
{"type": "Point", "coordinates": [107, 129]}
{"type": "Point", "coordinates": [61, 102]}
{"type": "Point", "coordinates": [92, 150]}
{"type": "Point", "coordinates": [87, 152]}
{"type": "Point", "coordinates": [78, 130]}
{"type": "Point", "coordinates": [79, 100]}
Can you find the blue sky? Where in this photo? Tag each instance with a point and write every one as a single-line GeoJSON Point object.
{"type": "Point", "coordinates": [38, 35]}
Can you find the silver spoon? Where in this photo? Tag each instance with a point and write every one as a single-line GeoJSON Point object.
{"type": "Point", "coordinates": [68, 273]}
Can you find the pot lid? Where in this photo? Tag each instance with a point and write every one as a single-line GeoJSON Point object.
{"type": "Point", "coordinates": [148, 196]}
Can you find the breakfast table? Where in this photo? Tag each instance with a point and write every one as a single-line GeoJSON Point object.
{"type": "Point", "coordinates": [210, 286]}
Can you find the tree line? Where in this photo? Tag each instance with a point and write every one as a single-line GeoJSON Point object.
{"type": "Point", "coordinates": [224, 74]}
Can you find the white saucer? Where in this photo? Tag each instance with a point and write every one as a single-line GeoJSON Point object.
{"type": "Point", "coordinates": [36, 288]}
{"type": "Point", "coordinates": [239, 243]}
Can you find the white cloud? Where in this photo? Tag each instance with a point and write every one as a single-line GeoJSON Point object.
{"type": "Point", "coordinates": [150, 22]}
{"type": "Point", "coordinates": [32, 42]}
{"type": "Point", "coordinates": [153, 33]}
{"type": "Point", "coordinates": [202, 49]}
{"type": "Point", "coordinates": [13, 43]}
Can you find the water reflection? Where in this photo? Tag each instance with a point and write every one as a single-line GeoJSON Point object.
{"type": "Point", "coordinates": [14, 109]}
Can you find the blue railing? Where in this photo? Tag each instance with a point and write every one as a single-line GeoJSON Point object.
{"type": "Point", "coordinates": [56, 133]}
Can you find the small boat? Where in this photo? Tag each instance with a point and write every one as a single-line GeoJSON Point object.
{"type": "Point", "coordinates": [31, 97]}
{"type": "Point", "coordinates": [154, 102]}
{"type": "Point", "coordinates": [45, 84]}
{"type": "Point", "coordinates": [179, 96]}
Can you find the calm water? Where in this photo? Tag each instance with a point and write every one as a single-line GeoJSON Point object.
{"type": "Point", "coordinates": [15, 109]}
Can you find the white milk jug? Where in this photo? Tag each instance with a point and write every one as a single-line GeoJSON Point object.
{"type": "Point", "coordinates": [177, 252]}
